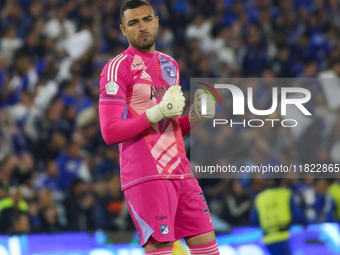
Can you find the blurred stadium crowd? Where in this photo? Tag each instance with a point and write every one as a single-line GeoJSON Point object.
{"type": "Point", "coordinates": [56, 172]}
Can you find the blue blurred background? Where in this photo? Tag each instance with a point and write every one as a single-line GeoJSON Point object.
{"type": "Point", "coordinates": [56, 172]}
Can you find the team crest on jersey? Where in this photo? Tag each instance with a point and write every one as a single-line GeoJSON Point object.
{"type": "Point", "coordinates": [170, 72]}
{"type": "Point", "coordinates": [164, 229]}
{"type": "Point", "coordinates": [111, 88]}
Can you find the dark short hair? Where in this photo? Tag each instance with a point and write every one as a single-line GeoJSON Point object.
{"type": "Point", "coordinates": [132, 4]}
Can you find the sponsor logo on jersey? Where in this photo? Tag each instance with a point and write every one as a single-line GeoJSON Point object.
{"type": "Point", "coordinates": [138, 66]}
{"type": "Point", "coordinates": [161, 217]}
{"type": "Point", "coordinates": [138, 63]}
{"type": "Point", "coordinates": [170, 72]}
{"type": "Point", "coordinates": [164, 229]}
{"type": "Point", "coordinates": [157, 92]}
{"type": "Point", "coordinates": [112, 88]}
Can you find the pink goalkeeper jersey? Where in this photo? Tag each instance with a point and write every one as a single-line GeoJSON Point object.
{"type": "Point", "coordinates": [138, 81]}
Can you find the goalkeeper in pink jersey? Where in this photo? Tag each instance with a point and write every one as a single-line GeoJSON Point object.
{"type": "Point", "coordinates": [140, 105]}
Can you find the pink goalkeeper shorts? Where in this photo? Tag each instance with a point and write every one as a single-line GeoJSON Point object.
{"type": "Point", "coordinates": [168, 210]}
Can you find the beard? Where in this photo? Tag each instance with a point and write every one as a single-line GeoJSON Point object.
{"type": "Point", "coordinates": [145, 42]}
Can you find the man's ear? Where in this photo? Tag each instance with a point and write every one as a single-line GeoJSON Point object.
{"type": "Point", "coordinates": [122, 28]}
{"type": "Point", "coordinates": [157, 21]}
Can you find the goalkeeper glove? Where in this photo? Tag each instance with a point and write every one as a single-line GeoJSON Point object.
{"type": "Point", "coordinates": [172, 105]}
{"type": "Point", "coordinates": [195, 113]}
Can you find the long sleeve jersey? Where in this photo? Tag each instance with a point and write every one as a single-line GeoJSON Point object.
{"type": "Point", "coordinates": [131, 83]}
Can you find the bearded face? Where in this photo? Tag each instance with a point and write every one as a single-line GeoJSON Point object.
{"type": "Point", "coordinates": [140, 27]}
{"type": "Point", "coordinates": [144, 40]}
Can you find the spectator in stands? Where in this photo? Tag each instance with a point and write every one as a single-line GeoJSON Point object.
{"type": "Point", "coordinates": [10, 43]}
{"type": "Point", "coordinates": [114, 202]}
{"type": "Point", "coordinates": [324, 204]}
{"type": "Point", "coordinates": [72, 166]}
{"type": "Point", "coordinates": [253, 57]}
{"type": "Point", "coordinates": [13, 15]}
{"type": "Point", "coordinates": [79, 207]}
{"type": "Point", "coordinates": [317, 202]}
{"type": "Point", "coordinates": [11, 205]}
{"type": "Point", "coordinates": [50, 180]}
{"type": "Point", "coordinates": [20, 223]}
{"type": "Point", "coordinates": [274, 211]}
{"type": "Point", "coordinates": [334, 191]}
{"type": "Point", "coordinates": [49, 220]}
{"type": "Point", "coordinates": [237, 205]}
